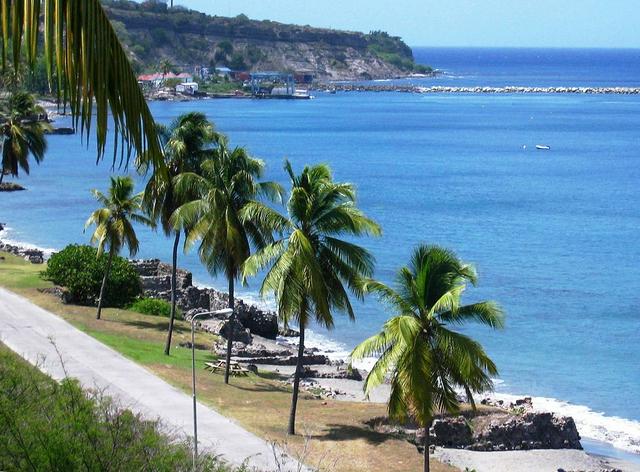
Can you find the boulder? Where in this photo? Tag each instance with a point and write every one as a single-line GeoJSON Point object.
{"type": "Point", "coordinates": [10, 187]}
{"type": "Point", "coordinates": [222, 328]}
{"type": "Point", "coordinates": [531, 430]}
{"type": "Point", "coordinates": [504, 432]}
{"type": "Point", "coordinates": [348, 374]}
{"type": "Point", "coordinates": [452, 432]}
{"type": "Point", "coordinates": [288, 332]}
{"type": "Point", "coordinates": [259, 322]}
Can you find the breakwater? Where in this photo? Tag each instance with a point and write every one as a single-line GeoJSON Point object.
{"type": "Point", "coordinates": [485, 90]}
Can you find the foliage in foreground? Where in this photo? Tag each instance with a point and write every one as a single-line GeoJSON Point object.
{"type": "Point", "coordinates": [78, 268]}
{"type": "Point", "coordinates": [152, 306]}
{"type": "Point", "coordinates": [59, 427]}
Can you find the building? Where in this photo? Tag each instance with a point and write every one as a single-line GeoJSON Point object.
{"type": "Point", "coordinates": [158, 79]}
{"type": "Point", "coordinates": [223, 72]}
{"type": "Point", "coordinates": [189, 88]}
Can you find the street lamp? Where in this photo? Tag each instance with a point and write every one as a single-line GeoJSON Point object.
{"type": "Point", "coordinates": [224, 311]}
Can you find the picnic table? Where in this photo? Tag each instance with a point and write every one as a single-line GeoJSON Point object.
{"type": "Point", "coordinates": [235, 367]}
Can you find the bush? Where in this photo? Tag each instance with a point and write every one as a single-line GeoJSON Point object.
{"type": "Point", "coordinates": [59, 427]}
{"type": "Point", "coordinates": [153, 306]}
{"type": "Point", "coordinates": [78, 269]}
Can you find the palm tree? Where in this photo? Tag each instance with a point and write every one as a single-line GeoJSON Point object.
{"type": "Point", "coordinates": [21, 134]}
{"type": "Point", "coordinates": [90, 66]}
{"type": "Point", "coordinates": [113, 222]}
{"type": "Point", "coordinates": [312, 268]}
{"type": "Point", "coordinates": [426, 360]}
{"type": "Point", "coordinates": [185, 145]}
{"type": "Point", "coordinates": [227, 216]}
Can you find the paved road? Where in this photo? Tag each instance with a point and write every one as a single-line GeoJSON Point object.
{"type": "Point", "coordinates": [28, 330]}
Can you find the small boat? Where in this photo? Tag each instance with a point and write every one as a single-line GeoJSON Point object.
{"type": "Point", "coordinates": [543, 147]}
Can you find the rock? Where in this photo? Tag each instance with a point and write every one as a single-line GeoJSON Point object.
{"type": "Point", "coordinates": [291, 360]}
{"type": "Point", "coordinates": [526, 401]}
{"type": "Point", "coordinates": [260, 350]}
{"type": "Point", "coordinates": [36, 259]}
{"type": "Point", "coordinates": [252, 368]}
{"type": "Point", "coordinates": [288, 333]}
{"type": "Point", "coordinates": [349, 374]}
{"type": "Point", "coordinates": [222, 328]}
{"type": "Point", "coordinates": [532, 430]}
{"type": "Point", "coordinates": [259, 322]}
{"type": "Point", "coordinates": [10, 187]}
{"type": "Point", "coordinates": [61, 130]}
{"type": "Point", "coordinates": [498, 432]}
{"type": "Point", "coordinates": [60, 292]}
{"type": "Point", "coordinates": [452, 432]}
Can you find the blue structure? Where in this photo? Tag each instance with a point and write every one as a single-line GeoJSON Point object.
{"type": "Point", "coordinates": [258, 78]}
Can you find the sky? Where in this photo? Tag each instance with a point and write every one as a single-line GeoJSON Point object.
{"type": "Point", "coordinates": [479, 23]}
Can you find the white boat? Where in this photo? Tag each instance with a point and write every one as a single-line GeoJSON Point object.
{"type": "Point", "coordinates": [543, 147]}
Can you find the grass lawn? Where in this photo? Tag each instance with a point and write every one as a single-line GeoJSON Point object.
{"type": "Point", "coordinates": [333, 433]}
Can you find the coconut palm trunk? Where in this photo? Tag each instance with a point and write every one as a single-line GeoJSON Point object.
{"type": "Point", "coordinates": [230, 331]}
{"type": "Point", "coordinates": [174, 269]}
{"type": "Point", "coordinates": [104, 284]}
{"type": "Point", "coordinates": [426, 447]}
{"type": "Point", "coordinates": [296, 382]}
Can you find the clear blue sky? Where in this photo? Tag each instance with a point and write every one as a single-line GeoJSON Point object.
{"type": "Point", "coordinates": [513, 23]}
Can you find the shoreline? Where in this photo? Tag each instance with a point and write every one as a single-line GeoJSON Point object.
{"type": "Point", "coordinates": [351, 390]}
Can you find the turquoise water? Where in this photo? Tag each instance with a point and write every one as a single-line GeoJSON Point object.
{"type": "Point", "coordinates": [554, 235]}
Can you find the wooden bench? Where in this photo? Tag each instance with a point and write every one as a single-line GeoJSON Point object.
{"type": "Point", "coordinates": [220, 366]}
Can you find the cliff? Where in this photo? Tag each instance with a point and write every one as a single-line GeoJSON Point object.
{"type": "Point", "coordinates": [187, 38]}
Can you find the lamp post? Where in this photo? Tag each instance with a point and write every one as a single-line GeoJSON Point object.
{"type": "Point", "coordinates": [225, 311]}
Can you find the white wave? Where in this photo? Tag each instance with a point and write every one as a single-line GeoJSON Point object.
{"type": "Point", "coordinates": [621, 433]}
{"type": "Point", "coordinates": [6, 236]}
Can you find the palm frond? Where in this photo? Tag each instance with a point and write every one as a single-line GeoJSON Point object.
{"type": "Point", "coordinates": [82, 49]}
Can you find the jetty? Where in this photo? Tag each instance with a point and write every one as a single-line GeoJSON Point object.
{"type": "Point", "coordinates": [439, 89]}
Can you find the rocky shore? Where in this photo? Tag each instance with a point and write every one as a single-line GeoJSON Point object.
{"type": "Point", "coordinates": [35, 256]}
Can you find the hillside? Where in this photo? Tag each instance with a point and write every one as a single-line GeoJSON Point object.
{"type": "Point", "coordinates": [152, 32]}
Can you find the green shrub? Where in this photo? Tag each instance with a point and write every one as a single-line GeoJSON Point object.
{"type": "Point", "coordinates": [153, 306]}
{"type": "Point", "coordinates": [78, 269]}
{"type": "Point", "coordinates": [59, 427]}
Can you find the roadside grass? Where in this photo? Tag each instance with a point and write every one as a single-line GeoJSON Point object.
{"type": "Point", "coordinates": [333, 434]}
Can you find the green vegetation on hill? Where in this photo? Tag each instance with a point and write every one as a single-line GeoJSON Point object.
{"type": "Point", "coordinates": [150, 30]}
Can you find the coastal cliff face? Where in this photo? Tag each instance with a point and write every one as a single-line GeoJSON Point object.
{"type": "Point", "coordinates": [188, 38]}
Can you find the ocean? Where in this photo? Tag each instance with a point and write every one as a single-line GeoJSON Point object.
{"type": "Point", "coordinates": [554, 235]}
